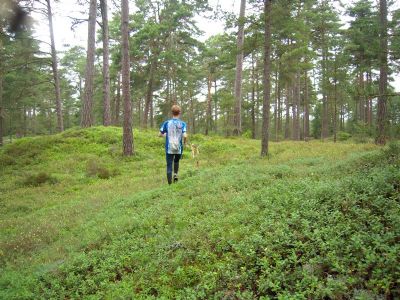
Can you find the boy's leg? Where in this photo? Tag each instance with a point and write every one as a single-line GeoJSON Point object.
{"type": "Point", "coordinates": [176, 166]}
{"type": "Point", "coordinates": [170, 158]}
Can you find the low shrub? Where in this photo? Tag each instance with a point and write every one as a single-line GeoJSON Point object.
{"type": "Point", "coordinates": [39, 179]}
{"type": "Point", "coordinates": [343, 136]}
{"type": "Point", "coordinates": [95, 168]}
{"type": "Point", "coordinates": [7, 160]}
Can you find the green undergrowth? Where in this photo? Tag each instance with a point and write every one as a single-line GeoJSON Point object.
{"type": "Point", "coordinates": [312, 221]}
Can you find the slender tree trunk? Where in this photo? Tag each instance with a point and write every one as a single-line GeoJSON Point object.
{"type": "Point", "coordinates": [266, 79]}
{"type": "Point", "coordinates": [287, 110]}
{"type": "Point", "coordinates": [60, 124]}
{"type": "Point", "coordinates": [151, 113]}
{"type": "Point", "coordinates": [335, 103]}
{"type": "Point", "coordinates": [34, 121]}
{"type": "Point", "coordinates": [362, 97]}
{"type": "Point", "coordinates": [149, 92]}
{"type": "Point", "coordinates": [50, 120]}
{"type": "Point", "coordinates": [258, 98]}
{"type": "Point", "coordinates": [382, 122]}
{"type": "Point", "coordinates": [208, 113]}
{"type": "Point", "coordinates": [215, 105]}
{"type": "Point", "coordinates": [25, 125]}
{"type": "Point", "coordinates": [253, 99]}
{"type": "Point", "coordinates": [306, 108]}
{"type": "Point", "coordinates": [192, 113]}
{"type": "Point", "coordinates": [1, 111]}
{"type": "Point", "coordinates": [106, 65]}
{"type": "Point", "coordinates": [296, 108]}
{"type": "Point", "coordinates": [237, 120]}
{"type": "Point", "coordinates": [276, 106]}
{"type": "Point", "coordinates": [87, 118]}
{"type": "Point", "coordinates": [118, 100]}
{"type": "Point", "coordinates": [370, 118]}
{"type": "Point", "coordinates": [128, 147]}
{"type": "Point", "coordinates": [324, 129]}
{"type": "Point", "coordinates": [113, 99]}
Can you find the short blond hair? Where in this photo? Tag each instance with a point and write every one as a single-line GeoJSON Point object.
{"type": "Point", "coordinates": [176, 110]}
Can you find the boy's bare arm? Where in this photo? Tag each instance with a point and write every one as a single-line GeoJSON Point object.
{"type": "Point", "coordinates": [184, 138]}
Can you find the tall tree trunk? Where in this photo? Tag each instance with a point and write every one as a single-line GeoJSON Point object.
{"type": "Point", "coordinates": [324, 129]}
{"type": "Point", "coordinates": [287, 111]}
{"type": "Point", "coordinates": [306, 108]}
{"type": "Point", "coordinates": [276, 106]}
{"type": "Point", "coordinates": [106, 65]}
{"type": "Point", "coordinates": [149, 92]}
{"type": "Point", "coordinates": [383, 73]}
{"type": "Point", "coordinates": [266, 79]}
{"type": "Point", "coordinates": [237, 120]}
{"type": "Point", "coordinates": [362, 97]}
{"type": "Point", "coordinates": [253, 98]}
{"type": "Point", "coordinates": [128, 147]}
{"type": "Point", "coordinates": [25, 125]}
{"type": "Point", "coordinates": [208, 113]}
{"type": "Point", "coordinates": [1, 111]}
{"type": "Point", "coordinates": [87, 111]}
{"type": "Point", "coordinates": [60, 123]}
{"type": "Point", "coordinates": [215, 105]}
{"type": "Point", "coordinates": [151, 113]}
{"type": "Point", "coordinates": [280, 112]}
{"type": "Point", "coordinates": [34, 121]}
{"type": "Point", "coordinates": [296, 108]}
{"type": "Point", "coordinates": [118, 100]}
{"type": "Point", "coordinates": [192, 113]}
{"type": "Point", "coordinates": [335, 103]}
{"type": "Point", "coordinates": [370, 101]}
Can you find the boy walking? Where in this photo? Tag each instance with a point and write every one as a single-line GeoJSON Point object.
{"type": "Point", "coordinates": [175, 131]}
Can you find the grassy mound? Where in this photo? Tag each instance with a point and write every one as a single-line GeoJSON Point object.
{"type": "Point", "coordinates": [313, 221]}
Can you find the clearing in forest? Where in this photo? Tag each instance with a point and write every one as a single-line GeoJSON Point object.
{"type": "Point", "coordinates": [313, 220]}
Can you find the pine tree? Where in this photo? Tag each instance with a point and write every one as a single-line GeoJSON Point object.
{"type": "Point", "coordinates": [128, 146]}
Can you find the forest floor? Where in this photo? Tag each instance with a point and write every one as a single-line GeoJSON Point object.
{"type": "Point", "coordinates": [314, 220]}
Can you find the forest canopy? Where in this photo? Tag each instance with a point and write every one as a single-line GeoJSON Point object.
{"type": "Point", "coordinates": [279, 70]}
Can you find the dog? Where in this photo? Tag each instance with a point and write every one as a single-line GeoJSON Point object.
{"type": "Point", "coordinates": [195, 150]}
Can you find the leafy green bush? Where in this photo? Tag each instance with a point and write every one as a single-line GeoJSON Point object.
{"type": "Point", "coordinates": [343, 136]}
{"type": "Point", "coordinates": [96, 168]}
{"type": "Point", "coordinates": [39, 179]}
{"type": "Point", "coordinates": [7, 160]}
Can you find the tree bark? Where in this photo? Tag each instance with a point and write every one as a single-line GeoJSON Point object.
{"type": "Point", "coordinates": [253, 99]}
{"type": "Point", "coordinates": [1, 111]}
{"type": "Point", "coordinates": [296, 108]}
{"type": "Point", "coordinates": [118, 100]}
{"type": "Point", "coordinates": [237, 120]}
{"type": "Point", "coordinates": [287, 111]}
{"type": "Point", "coordinates": [215, 105]}
{"type": "Point", "coordinates": [128, 147]}
{"type": "Point", "coordinates": [324, 123]}
{"type": "Point", "coordinates": [306, 108]}
{"type": "Point", "coordinates": [276, 105]}
{"type": "Point", "coordinates": [383, 72]}
{"type": "Point", "coordinates": [266, 79]}
{"type": "Point", "coordinates": [192, 113]}
{"type": "Point", "coordinates": [149, 92]}
{"type": "Point", "coordinates": [60, 123]}
{"type": "Point", "coordinates": [335, 103]}
{"type": "Point", "coordinates": [208, 114]}
{"type": "Point", "coordinates": [87, 111]}
{"type": "Point", "coordinates": [106, 65]}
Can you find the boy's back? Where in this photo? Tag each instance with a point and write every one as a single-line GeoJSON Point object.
{"type": "Point", "coordinates": [174, 129]}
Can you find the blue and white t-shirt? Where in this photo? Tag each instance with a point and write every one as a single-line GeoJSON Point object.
{"type": "Point", "coordinates": [175, 129]}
